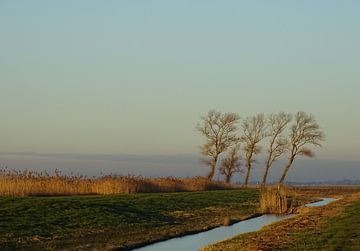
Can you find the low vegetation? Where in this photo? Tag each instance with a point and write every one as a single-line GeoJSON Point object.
{"type": "Point", "coordinates": [29, 183]}
{"type": "Point", "coordinates": [335, 226]}
{"type": "Point", "coordinates": [128, 220]}
{"type": "Point", "coordinates": [273, 200]}
{"type": "Point", "coordinates": [338, 232]}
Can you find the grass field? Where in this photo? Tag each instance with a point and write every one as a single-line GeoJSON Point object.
{"type": "Point", "coordinates": [340, 232]}
{"type": "Point", "coordinates": [131, 220]}
{"type": "Point", "coordinates": [332, 227]}
{"type": "Point", "coordinates": [116, 221]}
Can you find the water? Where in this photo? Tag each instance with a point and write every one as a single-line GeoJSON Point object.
{"type": "Point", "coordinates": [196, 241]}
{"type": "Point", "coordinates": [323, 202]}
{"type": "Point", "coordinates": [199, 240]}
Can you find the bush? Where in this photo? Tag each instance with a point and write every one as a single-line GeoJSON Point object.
{"type": "Point", "coordinates": [273, 200]}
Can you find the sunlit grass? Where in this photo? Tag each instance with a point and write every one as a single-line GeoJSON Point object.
{"type": "Point", "coordinates": [116, 220]}
{"type": "Point", "coordinates": [341, 232]}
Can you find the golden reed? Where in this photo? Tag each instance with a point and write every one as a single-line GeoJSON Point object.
{"type": "Point", "coordinates": [30, 183]}
{"type": "Point", "coordinates": [273, 200]}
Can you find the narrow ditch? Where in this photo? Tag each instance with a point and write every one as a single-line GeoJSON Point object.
{"type": "Point", "coordinates": [196, 241]}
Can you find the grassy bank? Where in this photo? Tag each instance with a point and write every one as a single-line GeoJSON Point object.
{"type": "Point", "coordinates": [332, 227]}
{"type": "Point", "coordinates": [338, 232]}
{"type": "Point", "coordinates": [122, 220]}
{"type": "Point", "coordinates": [29, 183]}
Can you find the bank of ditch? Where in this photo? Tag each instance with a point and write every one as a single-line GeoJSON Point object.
{"type": "Point", "coordinates": [332, 227]}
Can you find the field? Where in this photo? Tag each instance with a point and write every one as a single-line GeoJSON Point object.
{"type": "Point", "coordinates": [111, 221]}
{"type": "Point", "coordinates": [126, 221]}
{"type": "Point", "coordinates": [332, 227]}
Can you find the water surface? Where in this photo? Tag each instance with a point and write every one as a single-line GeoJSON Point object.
{"type": "Point", "coordinates": [323, 202]}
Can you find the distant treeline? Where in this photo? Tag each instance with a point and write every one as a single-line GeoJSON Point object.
{"type": "Point", "coordinates": [328, 182]}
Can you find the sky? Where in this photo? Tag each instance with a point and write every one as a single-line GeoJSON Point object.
{"type": "Point", "coordinates": [134, 77]}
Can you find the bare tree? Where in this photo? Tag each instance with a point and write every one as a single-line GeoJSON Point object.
{"type": "Point", "coordinates": [231, 164]}
{"type": "Point", "coordinates": [220, 133]}
{"type": "Point", "coordinates": [304, 131]}
{"type": "Point", "coordinates": [254, 130]}
{"type": "Point", "coordinates": [278, 144]}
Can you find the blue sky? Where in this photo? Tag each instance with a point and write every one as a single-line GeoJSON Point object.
{"type": "Point", "coordinates": [133, 77]}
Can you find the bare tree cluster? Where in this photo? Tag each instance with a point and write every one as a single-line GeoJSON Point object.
{"type": "Point", "coordinates": [231, 164]}
{"type": "Point", "coordinates": [278, 143]}
{"type": "Point", "coordinates": [220, 133]}
{"type": "Point", "coordinates": [253, 129]}
{"type": "Point", "coordinates": [287, 136]}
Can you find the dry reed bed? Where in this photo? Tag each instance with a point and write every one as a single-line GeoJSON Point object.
{"type": "Point", "coordinates": [30, 183]}
{"type": "Point", "coordinates": [273, 200]}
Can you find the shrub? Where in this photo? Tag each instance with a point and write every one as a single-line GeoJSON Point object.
{"type": "Point", "coordinates": [273, 200]}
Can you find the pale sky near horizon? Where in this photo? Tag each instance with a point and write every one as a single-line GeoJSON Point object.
{"type": "Point", "coordinates": [133, 77]}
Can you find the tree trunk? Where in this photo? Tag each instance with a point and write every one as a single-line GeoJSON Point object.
{"type": "Point", "coordinates": [267, 167]}
{"type": "Point", "coordinates": [291, 160]}
{"type": "Point", "coordinates": [211, 172]}
{"type": "Point", "coordinates": [247, 175]}
{"type": "Point", "coordinates": [227, 180]}
{"type": "Point", "coordinates": [248, 168]}
{"type": "Point", "coordinates": [212, 168]}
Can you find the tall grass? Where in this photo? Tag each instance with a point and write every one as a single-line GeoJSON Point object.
{"type": "Point", "coordinates": [30, 183]}
{"type": "Point", "coordinates": [273, 200]}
